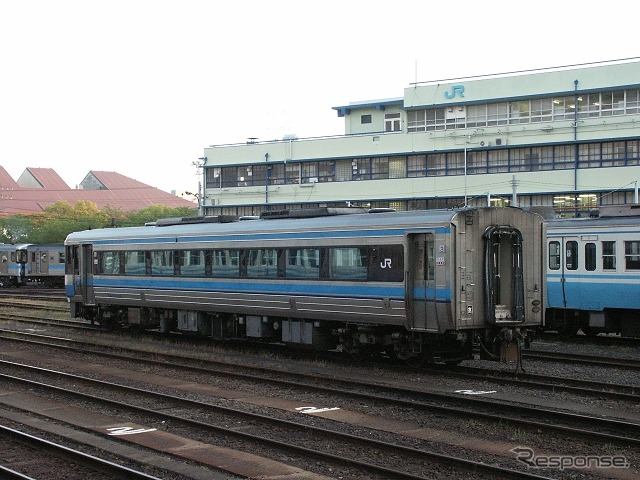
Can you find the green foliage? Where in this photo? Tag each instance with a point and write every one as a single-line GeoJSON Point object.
{"type": "Point", "coordinates": [60, 219]}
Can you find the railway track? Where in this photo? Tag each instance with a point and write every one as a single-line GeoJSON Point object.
{"type": "Point", "coordinates": [546, 422]}
{"type": "Point", "coordinates": [574, 358]}
{"type": "Point", "coordinates": [552, 383]}
{"type": "Point", "coordinates": [289, 437]}
{"type": "Point", "coordinates": [23, 457]}
{"type": "Point", "coordinates": [521, 416]}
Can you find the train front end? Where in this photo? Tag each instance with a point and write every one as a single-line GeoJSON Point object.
{"type": "Point", "coordinates": [499, 280]}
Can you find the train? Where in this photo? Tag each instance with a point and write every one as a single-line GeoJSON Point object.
{"type": "Point", "coordinates": [593, 273]}
{"type": "Point", "coordinates": [23, 264]}
{"type": "Point", "coordinates": [419, 286]}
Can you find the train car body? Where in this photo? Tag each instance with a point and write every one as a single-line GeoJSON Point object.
{"type": "Point", "coordinates": [13, 259]}
{"type": "Point", "coordinates": [593, 273]}
{"type": "Point", "coordinates": [45, 264]}
{"type": "Point", "coordinates": [417, 285]}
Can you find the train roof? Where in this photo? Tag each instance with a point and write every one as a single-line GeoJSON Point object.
{"type": "Point", "coordinates": [357, 220]}
{"type": "Point", "coordinates": [599, 222]}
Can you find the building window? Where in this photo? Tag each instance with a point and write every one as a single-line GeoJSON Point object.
{"type": "Point", "coordinates": [392, 122]}
{"type": "Point", "coordinates": [416, 121]}
{"type": "Point", "coordinates": [362, 169]}
{"type": "Point", "coordinates": [327, 171]}
{"type": "Point", "coordinates": [541, 110]}
{"type": "Point", "coordinates": [213, 177]}
{"type": "Point", "coordinates": [275, 174]}
{"type": "Point", "coordinates": [436, 164]}
{"type": "Point", "coordinates": [379, 168]}
{"type": "Point", "coordinates": [292, 173]}
{"type": "Point", "coordinates": [417, 166]}
{"type": "Point", "coordinates": [365, 119]}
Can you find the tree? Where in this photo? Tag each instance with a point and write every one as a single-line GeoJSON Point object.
{"type": "Point", "coordinates": [60, 219]}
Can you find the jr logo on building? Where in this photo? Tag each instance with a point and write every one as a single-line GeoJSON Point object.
{"type": "Point", "coordinates": [455, 90]}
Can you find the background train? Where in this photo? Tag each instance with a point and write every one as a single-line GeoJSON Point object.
{"type": "Point", "coordinates": [23, 264]}
{"type": "Point", "coordinates": [593, 279]}
{"type": "Point", "coordinates": [419, 285]}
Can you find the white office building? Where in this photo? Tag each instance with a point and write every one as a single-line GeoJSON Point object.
{"type": "Point", "coordinates": [566, 139]}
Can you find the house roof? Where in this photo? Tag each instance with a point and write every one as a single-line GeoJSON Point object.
{"type": "Point", "coordinates": [46, 178]}
{"type": "Point", "coordinates": [105, 189]}
{"type": "Point", "coordinates": [6, 182]}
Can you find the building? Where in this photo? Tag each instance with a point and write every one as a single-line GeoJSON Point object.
{"type": "Point", "coordinates": [566, 139]}
{"type": "Point", "coordinates": [38, 188]}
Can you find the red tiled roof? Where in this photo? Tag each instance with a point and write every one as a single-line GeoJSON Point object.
{"type": "Point", "coordinates": [121, 193]}
{"type": "Point", "coordinates": [5, 180]}
{"type": "Point", "coordinates": [48, 178]}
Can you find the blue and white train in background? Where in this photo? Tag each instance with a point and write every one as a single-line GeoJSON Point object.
{"type": "Point", "coordinates": [418, 285]}
{"type": "Point", "coordinates": [593, 273]}
{"type": "Point", "coordinates": [23, 264]}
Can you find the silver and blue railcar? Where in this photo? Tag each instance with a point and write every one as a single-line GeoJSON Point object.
{"type": "Point", "coordinates": [434, 285]}
{"type": "Point", "coordinates": [13, 259]}
{"type": "Point", "coordinates": [44, 263]}
{"type": "Point", "coordinates": [593, 279]}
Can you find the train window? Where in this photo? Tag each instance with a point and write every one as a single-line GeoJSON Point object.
{"type": "Point", "coordinates": [109, 263]}
{"type": "Point", "coordinates": [262, 263]}
{"type": "Point", "coordinates": [303, 263]}
{"type": "Point", "coordinates": [162, 262]}
{"type": "Point", "coordinates": [609, 255]}
{"type": "Point", "coordinates": [192, 263]}
{"type": "Point", "coordinates": [430, 255]}
{"type": "Point", "coordinates": [632, 254]}
{"type": "Point", "coordinates": [590, 259]}
{"type": "Point", "coordinates": [554, 255]}
{"type": "Point", "coordinates": [571, 258]}
{"type": "Point", "coordinates": [386, 263]}
{"type": "Point", "coordinates": [134, 263]}
{"type": "Point", "coordinates": [348, 263]}
{"type": "Point", "coordinates": [226, 263]}
{"type": "Point", "coordinates": [61, 257]}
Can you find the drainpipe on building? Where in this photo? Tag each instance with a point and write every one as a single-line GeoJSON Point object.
{"type": "Point", "coordinates": [576, 152]}
{"type": "Point", "coordinates": [266, 183]}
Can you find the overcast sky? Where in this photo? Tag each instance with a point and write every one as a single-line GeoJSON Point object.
{"type": "Point", "coordinates": [141, 87]}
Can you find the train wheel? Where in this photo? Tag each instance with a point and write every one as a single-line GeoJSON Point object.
{"type": "Point", "coordinates": [590, 332]}
{"type": "Point", "coordinates": [417, 360]}
{"type": "Point", "coordinates": [568, 330]}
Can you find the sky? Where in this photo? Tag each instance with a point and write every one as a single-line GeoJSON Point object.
{"type": "Point", "coordinates": [141, 87]}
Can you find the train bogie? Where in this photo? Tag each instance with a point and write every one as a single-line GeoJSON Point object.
{"type": "Point", "coordinates": [430, 285]}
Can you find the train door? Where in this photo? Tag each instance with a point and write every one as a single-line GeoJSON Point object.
{"type": "Point", "coordinates": [86, 272]}
{"type": "Point", "coordinates": [41, 262]}
{"type": "Point", "coordinates": [421, 283]}
{"type": "Point", "coordinates": [563, 263]}
{"type": "Point", "coordinates": [504, 281]}
{"type": "Point", "coordinates": [21, 265]}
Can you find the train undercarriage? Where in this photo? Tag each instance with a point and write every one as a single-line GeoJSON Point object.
{"type": "Point", "coordinates": [360, 341]}
{"type": "Point", "coordinates": [624, 322]}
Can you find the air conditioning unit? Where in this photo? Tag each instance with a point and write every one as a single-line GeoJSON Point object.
{"type": "Point", "coordinates": [501, 141]}
{"type": "Point", "coordinates": [485, 143]}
